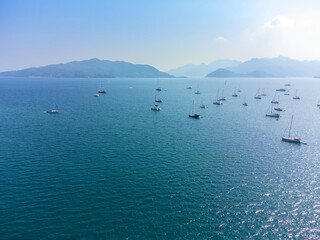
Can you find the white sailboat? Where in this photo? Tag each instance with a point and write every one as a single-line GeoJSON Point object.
{"type": "Point", "coordinates": [296, 96]}
{"type": "Point", "coordinates": [235, 93]}
{"type": "Point", "coordinates": [263, 93]}
{"type": "Point", "coordinates": [223, 98]}
{"type": "Point", "coordinates": [202, 105]}
{"type": "Point", "coordinates": [291, 139]}
{"type": "Point", "coordinates": [258, 96]}
{"type": "Point", "coordinates": [271, 114]}
{"type": "Point", "coordinates": [158, 100]}
{"type": "Point", "coordinates": [274, 101]}
{"type": "Point", "coordinates": [244, 102]}
{"type": "Point", "coordinates": [53, 110]}
{"type": "Point", "coordinates": [218, 102]}
{"type": "Point", "coordinates": [197, 92]}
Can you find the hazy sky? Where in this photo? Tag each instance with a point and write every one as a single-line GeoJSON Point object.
{"type": "Point", "coordinates": [162, 33]}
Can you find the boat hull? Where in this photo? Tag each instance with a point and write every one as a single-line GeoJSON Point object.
{"type": "Point", "coordinates": [273, 115]}
{"type": "Point", "coordinates": [292, 140]}
{"type": "Point", "coordinates": [197, 116]}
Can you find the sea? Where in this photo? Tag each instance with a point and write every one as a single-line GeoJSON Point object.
{"type": "Point", "coordinates": [109, 167]}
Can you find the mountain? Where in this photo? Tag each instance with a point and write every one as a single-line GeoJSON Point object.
{"type": "Point", "coordinates": [221, 73]}
{"type": "Point", "coordinates": [279, 66]}
{"type": "Point", "coordinates": [201, 70]}
{"type": "Point", "coordinates": [94, 68]}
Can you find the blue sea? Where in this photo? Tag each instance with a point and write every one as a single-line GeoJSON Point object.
{"type": "Point", "coordinates": [110, 168]}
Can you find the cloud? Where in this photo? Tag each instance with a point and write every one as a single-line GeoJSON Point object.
{"type": "Point", "coordinates": [220, 39]}
{"type": "Point", "coordinates": [279, 22]}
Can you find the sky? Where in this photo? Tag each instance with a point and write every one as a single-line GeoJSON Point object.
{"type": "Point", "coordinates": [162, 33]}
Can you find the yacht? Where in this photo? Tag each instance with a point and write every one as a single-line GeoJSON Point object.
{"type": "Point", "coordinates": [202, 105]}
{"type": "Point", "coordinates": [157, 100]}
{"type": "Point", "coordinates": [258, 96]}
{"type": "Point", "coordinates": [281, 90]}
{"type": "Point", "coordinates": [223, 98]}
{"type": "Point", "coordinates": [274, 101]}
{"type": "Point", "coordinates": [53, 110]}
{"type": "Point", "coordinates": [288, 84]}
{"type": "Point", "coordinates": [189, 87]}
{"type": "Point", "coordinates": [296, 96]}
{"type": "Point", "coordinates": [102, 90]}
{"type": "Point", "coordinates": [263, 93]}
{"type": "Point", "coordinates": [159, 89]}
{"type": "Point", "coordinates": [97, 95]}
{"type": "Point", "coordinates": [291, 139]}
{"type": "Point", "coordinates": [278, 109]}
{"type": "Point", "coordinates": [197, 92]}
{"type": "Point", "coordinates": [155, 108]}
{"type": "Point", "coordinates": [244, 102]}
{"type": "Point", "coordinates": [271, 114]}
{"type": "Point", "coordinates": [235, 94]}
{"type": "Point", "coordinates": [194, 115]}
{"type": "Point", "coordinates": [218, 102]}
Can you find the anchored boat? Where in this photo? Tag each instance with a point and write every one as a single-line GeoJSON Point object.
{"type": "Point", "coordinates": [291, 139]}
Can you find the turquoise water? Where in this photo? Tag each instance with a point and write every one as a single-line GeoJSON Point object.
{"type": "Point", "coordinates": [111, 168]}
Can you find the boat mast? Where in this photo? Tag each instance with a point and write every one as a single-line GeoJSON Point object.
{"type": "Point", "coordinates": [290, 125]}
{"type": "Point", "coordinates": [192, 106]}
{"type": "Point", "coordinates": [218, 95]}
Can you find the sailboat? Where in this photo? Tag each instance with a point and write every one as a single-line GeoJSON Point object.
{"type": "Point", "coordinates": [274, 101]}
{"type": "Point", "coordinates": [258, 94]}
{"type": "Point", "coordinates": [263, 93]}
{"type": "Point", "coordinates": [318, 105]}
{"type": "Point", "coordinates": [197, 92]}
{"type": "Point", "coordinates": [235, 94]}
{"type": "Point", "coordinates": [202, 105]}
{"type": "Point", "coordinates": [291, 139]}
{"type": "Point", "coordinates": [102, 90]}
{"type": "Point", "coordinates": [223, 98]}
{"type": "Point", "coordinates": [296, 96]}
{"type": "Point", "coordinates": [278, 108]}
{"type": "Point", "coordinates": [271, 114]}
{"type": "Point", "coordinates": [157, 100]}
{"type": "Point", "coordinates": [189, 87]}
{"type": "Point", "coordinates": [244, 102]}
{"type": "Point", "coordinates": [194, 115]}
{"type": "Point", "coordinates": [53, 110]}
{"type": "Point", "coordinates": [218, 102]}
{"type": "Point", "coordinates": [156, 108]}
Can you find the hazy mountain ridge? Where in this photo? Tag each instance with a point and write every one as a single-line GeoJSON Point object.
{"type": "Point", "coordinates": [279, 66]}
{"type": "Point", "coordinates": [94, 68]}
{"type": "Point", "coordinates": [191, 70]}
{"type": "Point", "coordinates": [221, 72]}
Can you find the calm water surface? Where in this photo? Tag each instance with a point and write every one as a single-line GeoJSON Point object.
{"type": "Point", "coordinates": [110, 168]}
